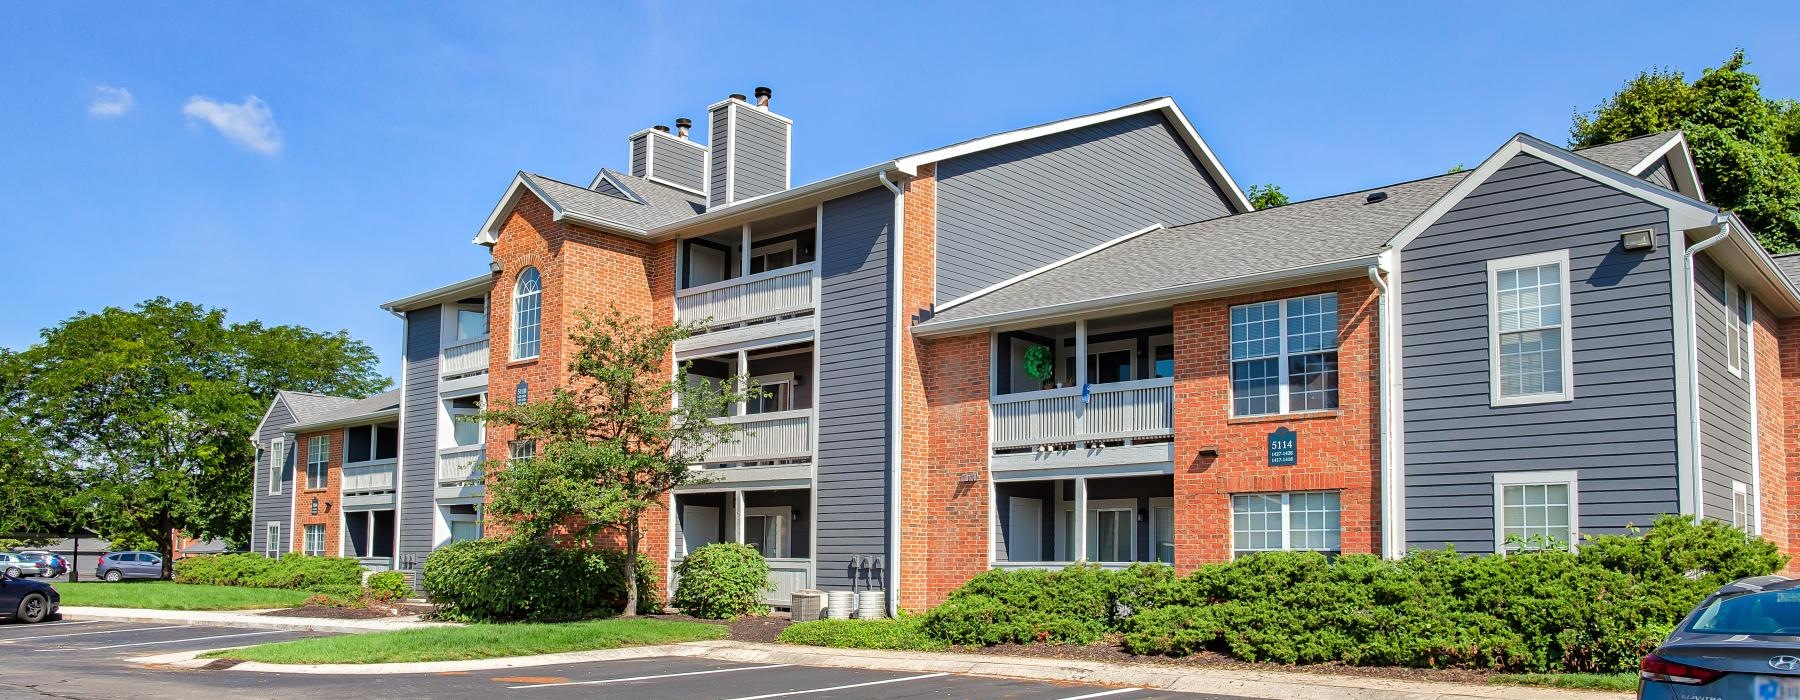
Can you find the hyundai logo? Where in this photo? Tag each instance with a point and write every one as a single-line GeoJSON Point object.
{"type": "Point", "coordinates": [1784, 663]}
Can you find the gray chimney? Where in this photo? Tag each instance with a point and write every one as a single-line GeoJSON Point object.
{"type": "Point", "coordinates": [669, 159]}
{"type": "Point", "coordinates": [750, 148]}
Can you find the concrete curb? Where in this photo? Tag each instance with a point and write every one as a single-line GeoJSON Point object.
{"type": "Point", "coordinates": [1281, 685]}
{"type": "Point", "coordinates": [247, 619]}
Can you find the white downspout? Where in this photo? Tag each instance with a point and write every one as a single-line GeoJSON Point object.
{"type": "Point", "coordinates": [400, 459]}
{"type": "Point", "coordinates": [1389, 505]}
{"type": "Point", "coordinates": [893, 473]}
{"type": "Point", "coordinates": [1693, 343]}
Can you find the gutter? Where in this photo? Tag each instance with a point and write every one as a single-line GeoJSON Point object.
{"type": "Point", "coordinates": [1693, 343]}
{"type": "Point", "coordinates": [1389, 477]}
{"type": "Point", "coordinates": [893, 472]}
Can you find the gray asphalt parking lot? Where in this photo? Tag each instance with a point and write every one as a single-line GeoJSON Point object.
{"type": "Point", "coordinates": [83, 659]}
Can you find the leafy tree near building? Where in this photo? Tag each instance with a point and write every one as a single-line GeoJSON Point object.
{"type": "Point", "coordinates": [1266, 196]}
{"type": "Point", "coordinates": [1746, 147]}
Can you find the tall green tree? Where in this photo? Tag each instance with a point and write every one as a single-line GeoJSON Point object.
{"type": "Point", "coordinates": [1266, 196]}
{"type": "Point", "coordinates": [614, 441]}
{"type": "Point", "coordinates": [1746, 147]}
{"type": "Point", "coordinates": [147, 413]}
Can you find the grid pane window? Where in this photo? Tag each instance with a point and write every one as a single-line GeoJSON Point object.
{"type": "Point", "coordinates": [315, 540]}
{"type": "Point", "coordinates": [1737, 332]}
{"type": "Point", "coordinates": [1535, 516]}
{"type": "Point", "coordinates": [1743, 507]}
{"type": "Point", "coordinates": [522, 449]}
{"type": "Point", "coordinates": [1264, 522]}
{"type": "Point", "coordinates": [317, 461]}
{"type": "Point", "coordinates": [527, 295]}
{"type": "Point", "coordinates": [1292, 344]}
{"type": "Point", "coordinates": [1528, 318]}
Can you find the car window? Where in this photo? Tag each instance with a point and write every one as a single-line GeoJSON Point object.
{"type": "Point", "coordinates": [1768, 612]}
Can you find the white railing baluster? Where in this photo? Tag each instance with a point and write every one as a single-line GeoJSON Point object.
{"type": "Point", "coordinates": [457, 465]}
{"type": "Point", "coordinates": [766, 436]}
{"type": "Point", "coordinates": [762, 295]}
{"type": "Point", "coordinates": [464, 357]}
{"type": "Point", "coordinates": [1116, 411]}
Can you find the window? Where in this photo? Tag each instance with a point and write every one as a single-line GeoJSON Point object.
{"type": "Point", "coordinates": [1529, 341]}
{"type": "Point", "coordinates": [1737, 329]}
{"type": "Point", "coordinates": [464, 521]}
{"type": "Point", "coordinates": [315, 540]}
{"type": "Point", "coordinates": [1537, 510]}
{"type": "Point", "coordinates": [471, 322]}
{"type": "Point", "coordinates": [1111, 530]}
{"type": "Point", "coordinates": [527, 293]}
{"type": "Point", "coordinates": [771, 257]}
{"type": "Point", "coordinates": [521, 449]}
{"type": "Point", "coordinates": [1743, 507]}
{"type": "Point", "coordinates": [778, 394]}
{"type": "Point", "coordinates": [367, 443]}
{"type": "Point", "coordinates": [1284, 356]}
{"type": "Point", "coordinates": [272, 541]}
{"type": "Point", "coordinates": [277, 460]}
{"type": "Point", "coordinates": [1269, 522]}
{"type": "Point", "coordinates": [766, 530]}
{"type": "Point", "coordinates": [1162, 530]}
{"type": "Point", "coordinates": [465, 428]}
{"type": "Point", "coordinates": [317, 461]}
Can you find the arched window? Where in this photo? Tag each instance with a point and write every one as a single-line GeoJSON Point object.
{"type": "Point", "coordinates": [527, 300]}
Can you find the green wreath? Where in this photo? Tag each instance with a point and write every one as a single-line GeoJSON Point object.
{"type": "Point", "coordinates": [1039, 364]}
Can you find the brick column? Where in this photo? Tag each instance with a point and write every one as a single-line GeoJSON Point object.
{"type": "Point", "coordinates": [329, 494]}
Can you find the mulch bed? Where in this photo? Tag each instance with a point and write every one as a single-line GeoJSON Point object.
{"type": "Point", "coordinates": [747, 629]}
{"type": "Point", "coordinates": [336, 613]}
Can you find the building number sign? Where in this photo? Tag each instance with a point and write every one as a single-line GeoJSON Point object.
{"type": "Point", "coordinates": [1284, 448]}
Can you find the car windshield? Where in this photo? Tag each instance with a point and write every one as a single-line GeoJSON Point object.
{"type": "Point", "coordinates": [1768, 612]}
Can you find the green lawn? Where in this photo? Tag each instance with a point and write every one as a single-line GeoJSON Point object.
{"type": "Point", "coordinates": [476, 642]}
{"type": "Point", "coordinates": [168, 595]}
{"type": "Point", "coordinates": [1579, 681]}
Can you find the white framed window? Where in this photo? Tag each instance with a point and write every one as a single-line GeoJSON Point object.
{"type": "Point", "coordinates": [527, 314]}
{"type": "Point", "coordinates": [318, 461]}
{"type": "Point", "coordinates": [1535, 510]}
{"type": "Point", "coordinates": [1743, 507]}
{"type": "Point", "coordinates": [369, 443]}
{"type": "Point", "coordinates": [1737, 328]}
{"type": "Point", "coordinates": [277, 460]}
{"type": "Point", "coordinates": [1162, 530]}
{"type": "Point", "coordinates": [1284, 356]}
{"type": "Point", "coordinates": [1111, 530]}
{"type": "Point", "coordinates": [773, 256]}
{"type": "Point", "coordinates": [521, 449]}
{"type": "Point", "coordinates": [465, 425]}
{"type": "Point", "coordinates": [1297, 521]}
{"type": "Point", "coordinates": [314, 540]}
{"type": "Point", "coordinates": [464, 521]}
{"type": "Point", "coordinates": [1530, 355]}
{"type": "Point", "coordinates": [272, 541]}
{"type": "Point", "coordinates": [766, 530]}
{"type": "Point", "coordinates": [778, 394]}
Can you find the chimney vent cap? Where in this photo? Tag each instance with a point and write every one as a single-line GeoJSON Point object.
{"type": "Point", "coordinates": [661, 128]}
{"type": "Point", "coordinates": [736, 96]}
{"type": "Point", "coordinates": [683, 122]}
{"type": "Point", "coordinates": [764, 91]}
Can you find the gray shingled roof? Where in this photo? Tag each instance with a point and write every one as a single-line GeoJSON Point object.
{"type": "Point", "coordinates": [1312, 232]}
{"type": "Point", "coordinates": [307, 407]}
{"type": "Point", "coordinates": [1622, 155]}
{"type": "Point", "coordinates": [1789, 265]}
{"type": "Point", "coordinates": [349, 409]}
{"type": "Point", "coordinates": [662, 204]}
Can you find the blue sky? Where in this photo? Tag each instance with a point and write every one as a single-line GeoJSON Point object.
{"type": "Point", "coordinates": [304, 163]}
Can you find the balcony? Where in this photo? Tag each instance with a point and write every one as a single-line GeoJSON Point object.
{"type": "Point", "coordinates": [785, 577]}
{"type": "Point", "coordinates": [764, 437]}
{"type": "Point", "coordinates": [464, 359]}
{"type": "Point", "coordinates": [764, 295]}
{"type": "Point", "coordinates": [459, 471]}
{"type": "Point", "coordinates": [1114, 412]}
{"type": "Point", "coordinates": [368, 485]}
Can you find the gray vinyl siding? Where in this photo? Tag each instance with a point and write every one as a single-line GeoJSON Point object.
{"type": "Point", "coordinates": [718, 129]}
{"type": "Point", "coordinates": [640, 156]}
{"type": "Point", "coordinates": [680, 162]}
{"type": "Point", "coordinates": [417, 520]}
{"type": "Point", "coordinates": [1012, 209]}
{"type": "Point", "coordinates": [853, 389]}
{"type": "Point", "coordinates": [277, 507]}
{"type": "Point", "coordinates": [1659, 173]}
{"type": "Point", "coordinates": [1619, 432]}
{"type": "Point", "coordinates": [1725, 440]}
{"type": "Point", "coordinates": [759, 152]}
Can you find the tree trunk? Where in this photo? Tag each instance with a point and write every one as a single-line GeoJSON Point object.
{"type": "Point", "coordinates": [631, 561]}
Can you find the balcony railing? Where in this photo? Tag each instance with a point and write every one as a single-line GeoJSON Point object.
{"type": "Point", "coordinates": [762, 295]}
{"type": "Point", "coordinates": [464, 357]}
{"type": "Point", "coordinates": [361, 477]}
{"type": "Point", "coordinates": [766, 436]}
{"type": "Point", "coordinates": [1115, 411]}
{"type": "Point", "coordinates": [785, 577]}
{"type": "Point", "coordinates": [460, 465]}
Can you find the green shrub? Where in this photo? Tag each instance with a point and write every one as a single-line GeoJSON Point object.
{"type": "Point", "coordinates": [721, 581]}
{"type": "Point", "coordinates": [494, 580]}
{"type": "Point", "coordinates": [389, 585]}
{"type": "Point", "coordinates": [1025, 606]}
{"type": "Point", "coordinates": [339, 595]}
{"type": "Point", "coordinates": [257, 571]}
{"type": "Point", "coordinates": [906, 633]}
{"type": "Point", "coordinates": [1675, 546]}
{"type": "Point", "coordinates": [222, 569]}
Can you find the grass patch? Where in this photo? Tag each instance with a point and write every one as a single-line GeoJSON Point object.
{"type": "Point", "coordinates": [906, 633]}
{"type": "Point", "coordinates": [168, 595]}
{"type": "Point", "coordinates": [1577, 681]}
{"type": "Point", "coordinates": [482, 641]}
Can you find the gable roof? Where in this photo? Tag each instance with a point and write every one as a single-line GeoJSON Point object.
{"type": "Point", "coordinates": [618, 203]}
{"type": "Point", "coordinates": [343, 411]}
{"type": "Point", "coordinates": [1789, 265]}
{"type": "Point", "coordinates": [1628, 155]}
{"type": "Point", "coordinates": [1339, 233]}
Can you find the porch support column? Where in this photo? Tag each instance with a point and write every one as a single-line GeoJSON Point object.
{"type": "Point", "coordinates": [743, 373]}
{"type": "Point", "coordinates": [993, 522]}
{"type": "Point", "coordinates": [1081, 380]}
{"type": "Point", "coordinates": [744, 254]}
{"type": "Point", "coordinates": [1079, 537]}
{"type": "Point", "coordinates": [738, 514]}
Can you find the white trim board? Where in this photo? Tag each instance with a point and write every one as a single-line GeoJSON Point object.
{"type": "Point", "coordinates": [1033, 273]}
{"type": "Point", "coordinates": [1559, 258]}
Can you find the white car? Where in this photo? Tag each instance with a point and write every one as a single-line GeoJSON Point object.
{"type": "Point", "coordinates": [16, 566]}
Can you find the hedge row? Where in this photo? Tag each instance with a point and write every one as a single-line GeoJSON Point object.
{"type": "Point", "coordinates": [496, 580]}
{"type": "Point", "coordinates": [1598, 610]}
{"type": "Point", "coordinates": [297, 571]}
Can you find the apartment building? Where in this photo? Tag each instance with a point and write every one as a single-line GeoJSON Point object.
{"type": "Point", "coordinates": [1077, 342]}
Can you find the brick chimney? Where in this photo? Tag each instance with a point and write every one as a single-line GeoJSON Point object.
{"type": "Point", "coordinates": [749, 149]}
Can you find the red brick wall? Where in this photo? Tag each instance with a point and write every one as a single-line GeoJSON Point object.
{"type": "Point", "coordinates": [1338, 450]}
{"type": "Point", "coordinates": [328, 493]}
{"type": "Point", "coordinates": [582, 270]}
{"type": "Point", "coordinates": [918, 274]}
{"type": "Point", "coordinates": [1780, 430]}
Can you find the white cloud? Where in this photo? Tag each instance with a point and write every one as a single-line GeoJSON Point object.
{"type": "Point", "coordinates": [110, 101]}
{"type": "Point", "coordinates": [250, 124]}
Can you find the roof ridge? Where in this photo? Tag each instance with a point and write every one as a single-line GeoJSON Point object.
{"type": "Point", "coordinates": [1460, 173]}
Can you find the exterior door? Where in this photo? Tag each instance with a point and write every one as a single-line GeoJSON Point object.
{"type": "Point", "coordinates": [699, 527]}
{"type": "Point", "coordinates": [1024, 529]}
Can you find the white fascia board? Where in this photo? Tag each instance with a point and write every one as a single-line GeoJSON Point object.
{"type": "Point", "coordinates": [1683, 173]}
{"type": "Point", "coordinates": [490, 231]}
{"type": "Point", "coordinates": [454, 289]}
{"type": "Point", "coordinates": [1768, 283]}
{"type": "Point", "coordinates": [280, 397]}
{"type": "Point", "coordinates": [374, 418]}
{"type": "Point", "coordinates": [1033, 273]}
{"type": "Point", "coordinates": [799, 197]}
{"type": "Point", "coordinates": [1167, 295]}
{"type": "Point", "coordinates": [612, 179]}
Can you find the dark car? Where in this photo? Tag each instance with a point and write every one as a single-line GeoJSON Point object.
{"type": "Point", "coordinates": [1743, 641]}
{"type": "Point", "coordinates": [119, 566]}
{"type": "Point", "coordinates": [25, 600]}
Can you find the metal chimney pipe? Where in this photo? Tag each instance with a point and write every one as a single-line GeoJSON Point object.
{"type": "Point", "coordinates": [682, 124]}
{"type": "Point", "coordinates": [762, 96]}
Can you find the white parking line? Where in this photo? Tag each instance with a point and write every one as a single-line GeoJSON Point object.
{"type": "Point", "coordinates": [840, 687]}
{"type": "Point", "coordinates": [42, 625]}
{"type": "Point", "coordinates": [78, 634]}
{"type": "Point", "coordinates": [646, 678]}
{"type": "Point", "coordinates": [172, 641]}
{"type": "Point", "coordinates": [1120, 691]}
